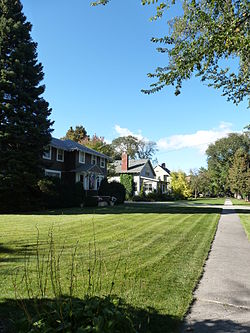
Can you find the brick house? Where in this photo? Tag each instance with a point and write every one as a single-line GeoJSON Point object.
{"type": "Point", "coordinates": [73, 162]}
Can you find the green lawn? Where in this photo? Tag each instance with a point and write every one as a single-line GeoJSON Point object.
{"type": "Point", "coordinates": [208, 201]}
{"type": "Point", "coordinates": [239, 202]}
{"type": "Point", "coordinates": [153, 253]}
{"type": "Point", "coordinates": [245, 220]}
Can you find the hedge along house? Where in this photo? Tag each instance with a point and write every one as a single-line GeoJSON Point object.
{"type": "Point", "coordinates": [73, 162]}
{"type": "Point", "coordinates": [141, 170]}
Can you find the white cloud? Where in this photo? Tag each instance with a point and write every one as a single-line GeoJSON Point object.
{"type": "Point", "coordinates": [199, 140]}
{"type": "Point", "coordinates": [122, 131]}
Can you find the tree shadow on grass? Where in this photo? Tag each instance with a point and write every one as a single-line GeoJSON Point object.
{"type": "Point", "coordinates": [132, 209]}
{"type": "Point", "coordinates": [16, 254]}
{"type": "Point", "coordinates": [13, 316]}
{"type": "Point", "coordinates": [242, 211]}
{"type": "Point", "coordinates": [215, 326]}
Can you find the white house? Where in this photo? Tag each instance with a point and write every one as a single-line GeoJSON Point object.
{"type": "Point", "coordinates": [141, 170]}
{"type": "Point", "coordinates": [163, 175]}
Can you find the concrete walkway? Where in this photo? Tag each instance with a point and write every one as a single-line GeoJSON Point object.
{"type": "Point", "coordinates": [222, 299]}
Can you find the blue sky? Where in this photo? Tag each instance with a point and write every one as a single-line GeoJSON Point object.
{"type": "Point", "coordinates": [95, 63]}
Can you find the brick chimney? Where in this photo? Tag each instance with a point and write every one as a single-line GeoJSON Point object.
{"type": "Point", "coordinates": [163, 165]}
{"type": "Point", "coordinates": [124, 162]}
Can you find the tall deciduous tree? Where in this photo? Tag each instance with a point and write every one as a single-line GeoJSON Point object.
{"type": "Point", "coordinates": [204, 182]}
{"type": "Point", "coordinates": [24, 123]}
{"type": "Point", "coordinates": [208, 33]}
{"type": "Point", "coordinates": [194, 182]}
{"type": "Point", "coordinates": [78, 134]}
{"type": "Point", "coordinates": [134, 147]}
{"type": "Point", "coordinates": [239, 174]}
{"type": "Point", "coordinates": [220, 159]}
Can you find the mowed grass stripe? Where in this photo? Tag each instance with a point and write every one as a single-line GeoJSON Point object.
{"type": "Point", "coordinates": [164, 243]}
{"type": "Point", "coordinates": [162, 253]}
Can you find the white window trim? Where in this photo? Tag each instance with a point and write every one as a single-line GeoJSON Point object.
{"type": "Point", "coordinates": [50, 153]}
{"type": "Point", "coordinates": [54, 171]}
{"type": "Point", "coordinates": [102, 160]}
{"type": "Point", "coordinates": [82, 152]}
{"type": "Point", "coordinates": [57, 155]}
{"type": "Point", "coordinates": [92, 159]}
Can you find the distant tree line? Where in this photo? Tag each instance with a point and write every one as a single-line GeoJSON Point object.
{"type": "Point", "coordinates": [228, 171]}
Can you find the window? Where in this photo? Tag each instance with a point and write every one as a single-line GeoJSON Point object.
{"type": "Point", "coordinates": [81, 157]}
{"type": "Point", "coordinates": [93, 159]}
{"type": "Point", "coordinates": [52, 173]}
{"type": "Point", "coordinates": [60, 155]}
{"type": "Point", "coordinates": [98, 182]}
{"type": "Point", "coordinates": [102, 162]}
{"type": "Point", "coordinates": [47, 153]}
{"type": "Point", "coordinates": [148, 187]}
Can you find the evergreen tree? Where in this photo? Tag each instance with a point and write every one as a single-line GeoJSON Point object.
{"type": "Point", "coordinates": [24, 123]}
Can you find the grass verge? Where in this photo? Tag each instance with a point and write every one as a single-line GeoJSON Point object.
{"type": "Point", "coordinates": [245, 220]}
{"type": "Point", "coordinates": [239, 202]}
{"type": "Point", "coordinates": [208, 201]}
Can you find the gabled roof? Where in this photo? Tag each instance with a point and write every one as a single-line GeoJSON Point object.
{"type": "Point", "coordinates": [134, 166]}
{"type": "Point", "coordinates": [165, 169]}
{"type": "Point", "coordinates": [70, 145]}
{"type": "Point", "coordinates": [89, 168]}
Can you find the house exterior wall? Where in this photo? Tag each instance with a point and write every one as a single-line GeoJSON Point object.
{"type": "Point", "coordinates": [52, 163]}
{"type": "Point", "coordinates": [160, 173]}
{"type": "Point", "coordinates": [164, 176]}
{"type": "Point", "coordinates": [64, 169]}
{"type": "Point", "coordinates": [147, 171]}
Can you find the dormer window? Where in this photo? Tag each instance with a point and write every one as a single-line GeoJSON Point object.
{"type": "Point", "coordinates": [60, 155]}
{"type": "Point", "coordinates": [81, 157]}
{"type": "Point", "coordinates": [102, 162]}
{"type": "Point", "coordinates": [47, 153]}
{"type": "Point", "coordinates": [94, 159]}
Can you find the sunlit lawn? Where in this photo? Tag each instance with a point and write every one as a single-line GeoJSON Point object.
{"type": "Point", "coordinates": [208, 201]}
{"type": "Point", "coordinates": [154, 254]}
{"type": "Point", "coordinates": [240, 202]}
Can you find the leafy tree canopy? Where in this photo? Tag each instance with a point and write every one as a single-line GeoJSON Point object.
{"type": "Point", "coordinates": [220, 159]}
{"type": "Point", "coordinates": [134, 147]}
{"type": "Point", "coordinates": [77, 134]}
{"type": "Point", "coordinates": [200, 41]}
{"type": "Point", "coordinates": [179, 185]}
{"type": "Point", "coordinates": [239, 174]}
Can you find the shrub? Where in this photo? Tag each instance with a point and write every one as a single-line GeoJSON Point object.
{"type": "Point", "coordinates": [138, 198]}
{"type": "Point", "coordinates": [112, 189]}
{"type": "Point", "coordinates": [91, 314]}
{"type": "Point", "coordinates": [91, 201]}
{"type": "Point", "coordinates": [50, 188]}
{"type": "Point", "coordinates": [157, 196]}
{"type": "Point", "coordinates": [58, 194]}
{"type": "Point", "coordinates": [127, 181]}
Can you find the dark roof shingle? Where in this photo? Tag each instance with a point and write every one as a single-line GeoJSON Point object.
{"type": "Point", "coordinates": [134, 166]}
{"type": "Point", "coordinates": [70, 145]}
